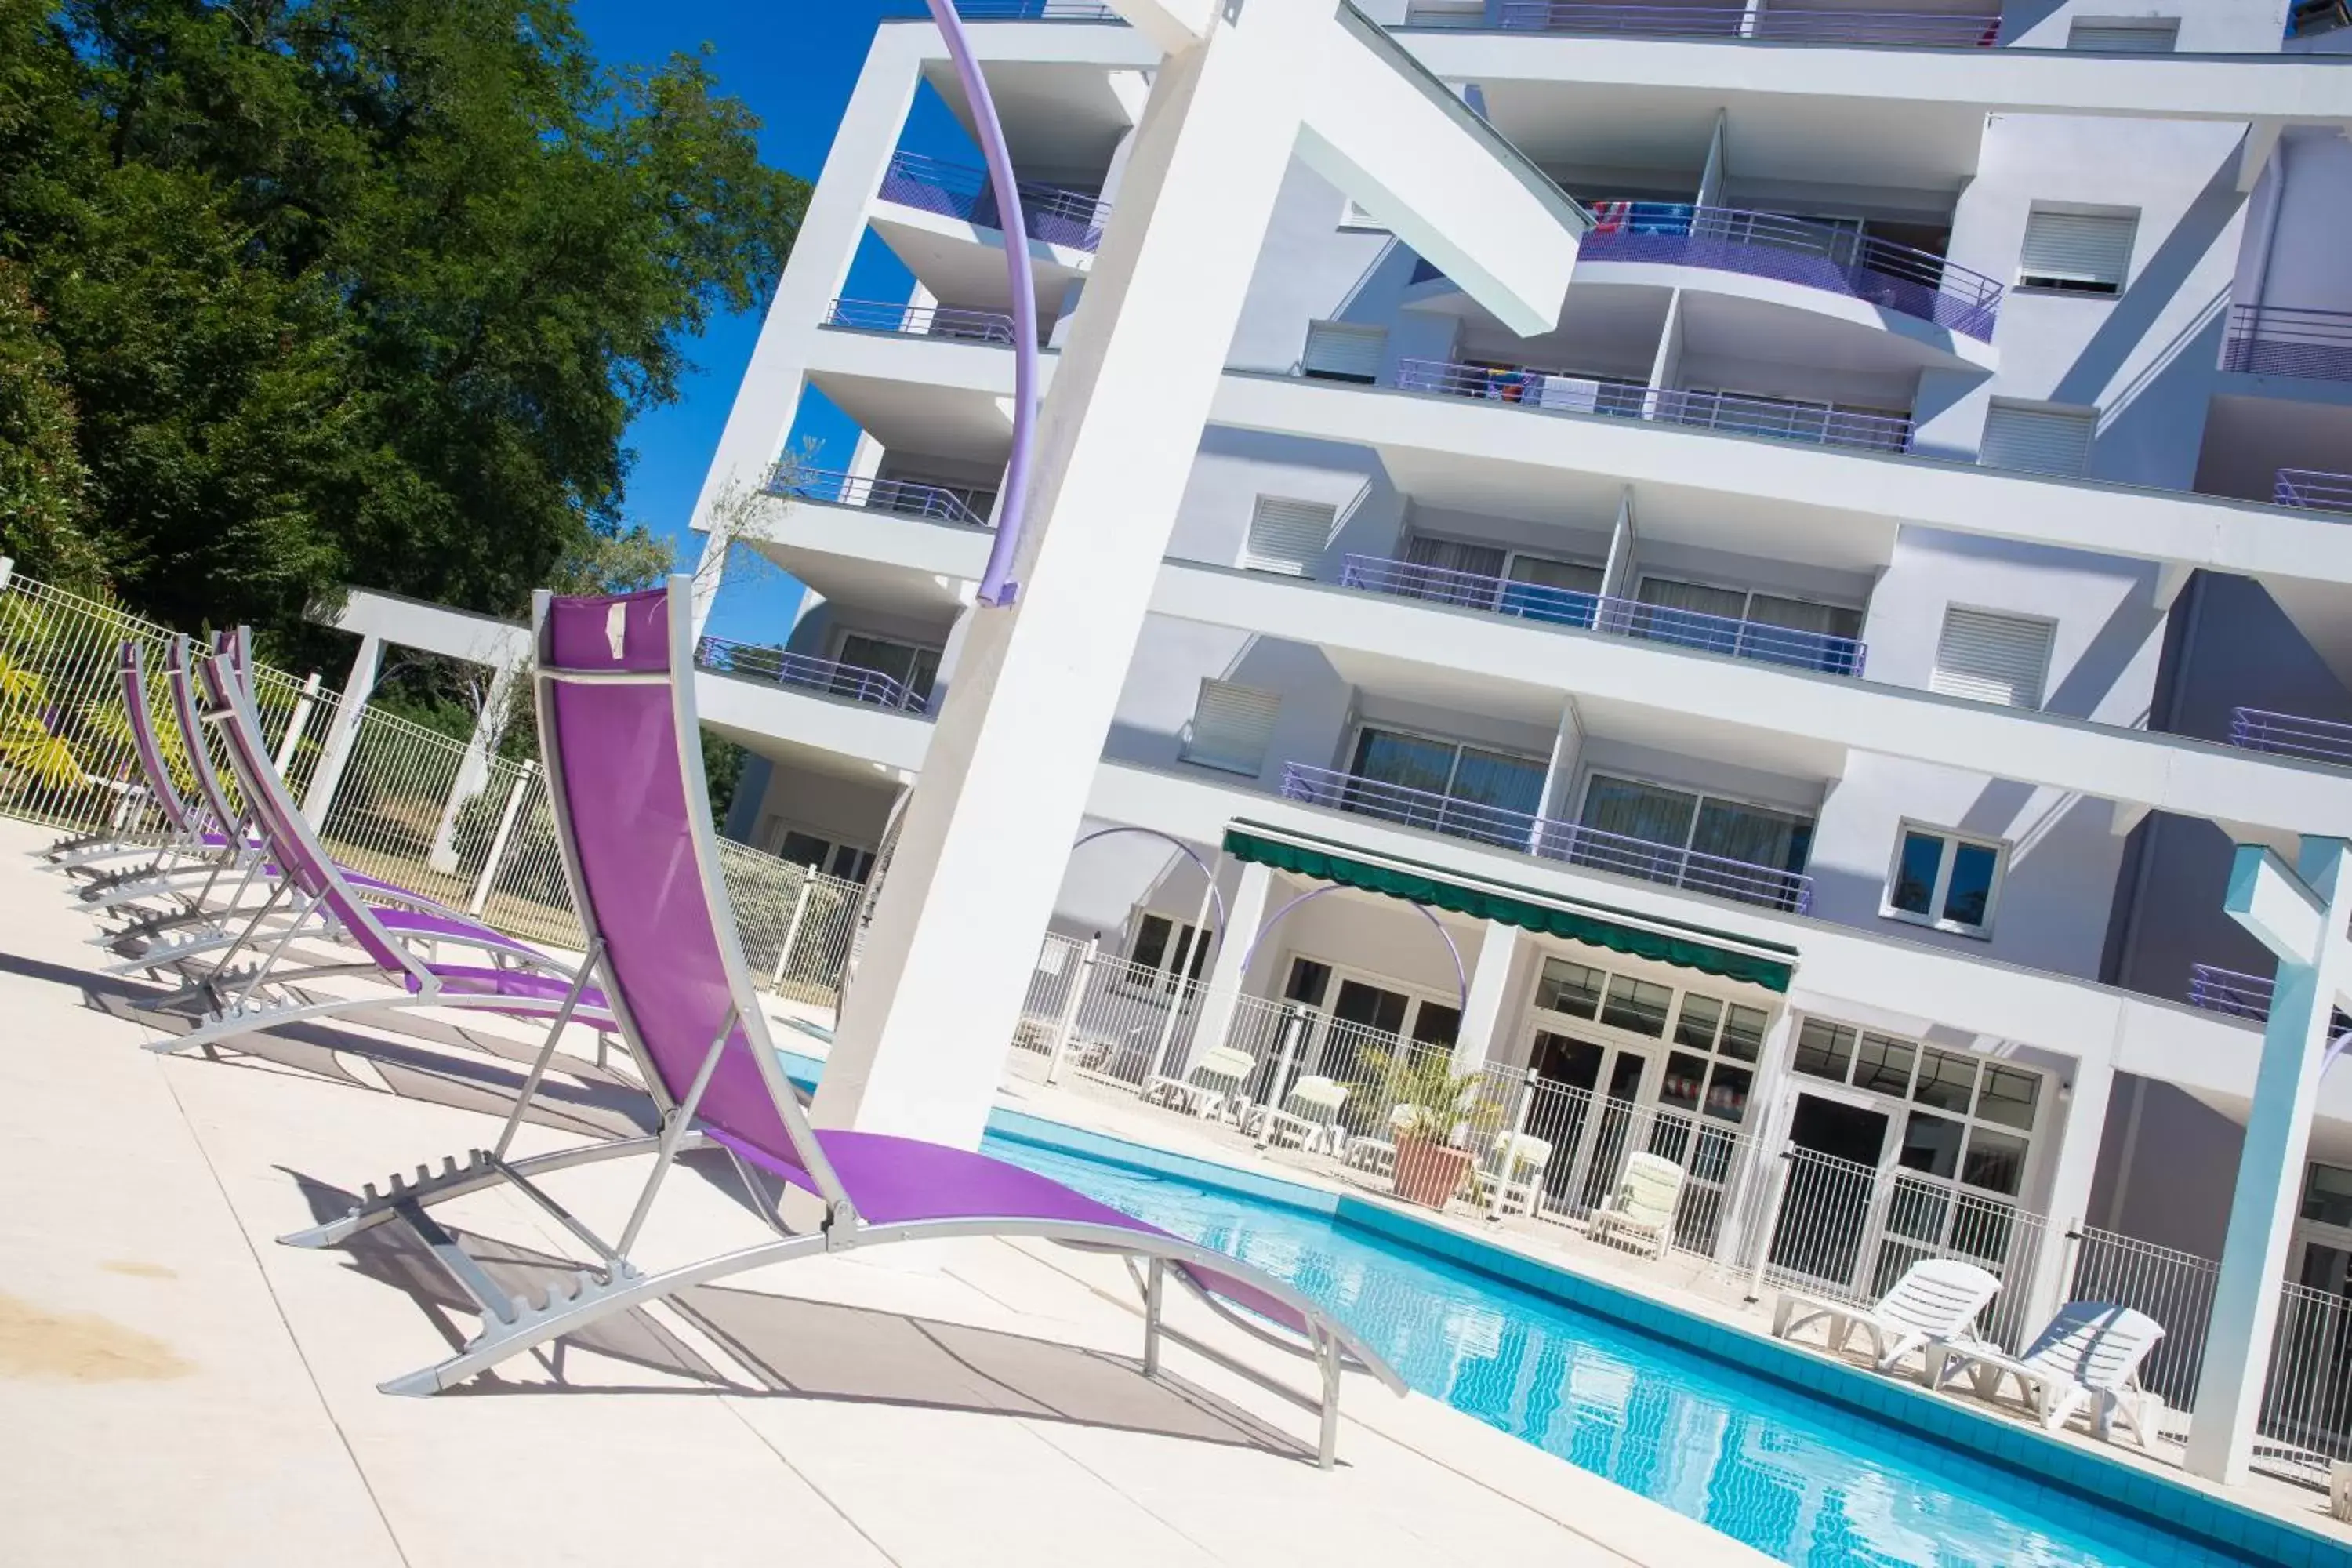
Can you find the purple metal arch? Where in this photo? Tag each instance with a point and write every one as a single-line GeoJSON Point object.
{"type": "Point", "coordinates": [1460, 978]}
{"type": "Point", "coordinates": [996, 585]}
{"type": "Point", "coordinates": [1189, 852]}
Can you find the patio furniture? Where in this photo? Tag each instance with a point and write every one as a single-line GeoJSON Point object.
{"type": "Point", "coordinates": [2088, 1357]}
{"type": "Point", "coordinates": [181, 831]}
{"type": "Point", "coordinates": [614, 682]}
{"type": "Point", "coordinates": [1644, 1205]}
{"type": "Point", "coordinates": [1516, 1182]}
{"type": "Point", "coordinates": [1377, 1155]}
{"type": "Point", "coordinates": [1309, 1116]}
{"type": "Point", "coordinates": [1208, 1086]}
{"type": "Point", "coordinates": [1937, 1298]}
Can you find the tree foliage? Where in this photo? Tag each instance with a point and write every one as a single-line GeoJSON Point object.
{"type": "Point", "coordinates": [301, 293]}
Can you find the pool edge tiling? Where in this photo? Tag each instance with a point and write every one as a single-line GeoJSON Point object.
{"type": "Point", "coordinates": [2212, 1523]}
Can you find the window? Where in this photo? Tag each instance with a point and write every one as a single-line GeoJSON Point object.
{"type": "Point", "coordinates": [1991, 658]}
{"type": "Point", "coordinates": [1166, 951]}
{"type": "Point", "coordinates": [1447, 786]}
{"type": "Point", "coordinates": [1943, 880]}
{"type": "Point", "coordinates": [2036, 440]}
{"type": "Point", "coordinates": [2328, 1196]}
{"type": "Point", "coordinates": [1571, 988]}
{"type": "Point", "coordinates": [1761, 840]}
{"type": "Point", "coordinates": [1709, 1026]}
{"type": "Point", "coordinates": [1756, 626]}
{"type": "Point", "coordinates": [2075, 252]}
{"type": "Point", "coordinates": [1338, 352]}
{"type": "Point", "coordinates": [1288, 536]}
{"type": "Point", "coordinates": [914, 669]}
{"type": "Point", "coordinates": [846, 861]}
{"type": "Point", "coordinates": [1966, 1112]}
{"type": "Point", "coordinates": [2121, 36]}
{"type": "Point", "coordinates": [1231, 727]}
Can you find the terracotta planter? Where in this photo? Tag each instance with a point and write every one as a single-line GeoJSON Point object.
{"type": "Point", "coordinates": [1428, 1173]}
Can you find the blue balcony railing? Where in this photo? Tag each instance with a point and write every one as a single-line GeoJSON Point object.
{"type": "Point", "coordinates": [1548, 839]}
{"type": "Point", "coordinates": [1015, 10]}
{"type": "Point", "coordinates": [1916, 283]}
{"type": "Point", "coordinates": [1594, 612]}
{"type": "Point", "coordinates": [828, 676]}
{"type": "Point", "coordinates": [1565, 392]}
{"type": "Point", "coordinates": [908, 498]}
{"type": "Point", "coordinates": [921, 320]}
{"type": "Point", "coordinates": [2242, 995]}
{"type": "Point", "coordinates": [2290, 735]}
{"type": "Point", "coordinates": [1049, 213]}
{"type": "Point", "coordinates": [2314, 489]}
{"type": "Point", "coordinates": [2279, 340]}
{"type": "Point", "coordinates": [1921, 29]}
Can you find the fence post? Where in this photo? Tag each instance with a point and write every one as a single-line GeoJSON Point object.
{"type": "Point", "coordinates": [1078, 994]}
{"type": "Point", "coordinates": [1509, 1155]}
{"type": "Point", "coordinates": [1766, 1216]}
{"type": "Point", "coordinates": [497, 857]}
{"type": "Point", "coordinates": [791, 931]}
{"type": "Point", "coordinates": [296, 724]}
{"type": "Point", "coordinates": [1293, 1029]}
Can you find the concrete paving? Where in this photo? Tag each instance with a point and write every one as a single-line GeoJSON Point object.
{"type": "Point", "coordinates": [181, 1388]}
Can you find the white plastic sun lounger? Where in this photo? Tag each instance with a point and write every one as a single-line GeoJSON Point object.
{"type": "Point", "coordinates": [1309, 1116]}
{"type": "Point", "coordinates": [1209, 1087]}
{"type": "Point", "coordinates": [1644, 1205]}
{"type": "Point", "coordinates": [2088, 1357]}
{"type": "Point", "coordinates": [1937, 1299]}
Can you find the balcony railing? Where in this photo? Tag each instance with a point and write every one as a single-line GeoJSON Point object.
{"type": "Point", "coordinates": [921, 320]}
{"type": "Point", "coordinates": [1917, 283]}
{"type": "Point", "coordinates": [1564, 392]}
{"type": "Point", "coordinates": [831, 677]}
{"type": "Point", "coordinates": [1595, 612]}
{"type": "Point", "coordinates": [2279, 340]}
{"type": "Point", "coordinates": [1015, 10]}
{"type": "Point", "coordinates": [2241, 995]}
{"type": "Point", "coordinates": [1922, 29]}
{"type": "Point", "coordinates": [908, 498]}
{"type": "Point", "coordinates": [2314, 489]}
{"type": "Point", "coordinates": [2290, 735]}
{"type": "Point", "coordinates": [1548, 839]}
{"type": "Point", "coordinates": [1049, 213]}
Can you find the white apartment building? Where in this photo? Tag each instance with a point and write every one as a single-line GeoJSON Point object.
{"type": "Point", "coordinates": [1807, 699]}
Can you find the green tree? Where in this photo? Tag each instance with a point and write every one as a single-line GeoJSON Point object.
{"type": "Point", "coordinates": [366, 290]}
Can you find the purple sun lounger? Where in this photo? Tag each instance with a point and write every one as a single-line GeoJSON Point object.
{"type": "Point", "coordinates": [320, 901]}
{"type": "Point", "coordinates": [614, 681]}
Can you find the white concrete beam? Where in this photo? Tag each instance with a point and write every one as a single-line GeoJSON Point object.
{"type": "Point", "coordinates": [429, 629]}
{"type": "Point", "coordinates": [1173, 25]}
{"type": "Point", "coordinates": [2254, 153]}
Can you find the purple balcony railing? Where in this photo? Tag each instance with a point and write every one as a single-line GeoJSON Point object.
{"type": "Point", "coordinates": [1564, 392]}
{"type": "Point", "coordinates": [2280, 340]}
{"type": "Point", "coordinates": [921, 320]}
{"type": "Point", "coordinates": [2219, 990]}
{"type": "Point", "coordinates": [908, 498]}
{"type": "Point", "coordinates": [1921, 29]}
{"type": "Point", "coordinates": [829, 676]}
{"type": "Point", "coordinates": [1055, 215]}
{"type": "Point", "coordinates": [1016, 11]}
{"type": "Point", "coordinates": [1917, 283]}
{"type": "Point", "coordinates": [1552, 841]}
{"type": "Point", "coordinates": [2290, 735]}
{"type": "Point", "coordinates": [1593, 612]}
{"type": "Point", "coordinates": [2314, 489]}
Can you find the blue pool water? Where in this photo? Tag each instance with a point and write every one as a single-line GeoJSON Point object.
{"type": "Point", "coordinates": [1795, 1477]}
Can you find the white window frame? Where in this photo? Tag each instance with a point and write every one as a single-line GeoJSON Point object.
{"type": "Point", "coordinates": [1356, 739]}
{"type": "Point", "coordinates": [1897, 1107]}
{"type": "Point", "coordinates": [1952, 839]}
{"type": "Point", "coordinates": [1749, 591]}
{"type": "Point", "coordinates": [1419, 997]}
{"type": "Point", "coordinates": [837, 648]}
{"type": "Point", "coordinates": [777, 828]}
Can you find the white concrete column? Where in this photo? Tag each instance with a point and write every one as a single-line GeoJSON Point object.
{"type": "Point", "coordinates": [1617, 573]}
{"type": "Point", "coordinates": [1482, 1019]}
{"type": "Point", "coordinates": [2068, 1206]}
{"type": "Point", "coordinates": [335, 752]}
{"type": "Point", "coordinates": [473, 768]}
{"type": "Point", "coordinates": [2303, 921]}
{"type": "Point", "coordinates": [1243, 914]}
{"type": "Point", "coordinates": [1761, 1167]}
{"type": "Point", "coordinates": [1668, 365]}
{"type": "Point", "coordinates": [1560, 771]}
{"type": "Point", "coordinates": [1710, 179]}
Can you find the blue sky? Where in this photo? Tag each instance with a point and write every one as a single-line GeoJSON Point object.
{"type": "Point", "coordinates": [794, 64]}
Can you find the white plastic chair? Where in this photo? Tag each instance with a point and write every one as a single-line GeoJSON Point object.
{"type": "Point", "coordinates": [1936, 1299]}
{"type": "Point", "coordinates": [1209, 1086]}
{"type": "Point", "coordinates": [1643, 1204]}
{"type": "Point", "coordinates": [1309, 1116]}
{"type": "Point", "coordinates": [2088, 1356]}
{"type": "Point", "coordinates": [1520, 1160]}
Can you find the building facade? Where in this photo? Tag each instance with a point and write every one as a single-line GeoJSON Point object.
{"type": "Point", "coordinates": [1803, 703]}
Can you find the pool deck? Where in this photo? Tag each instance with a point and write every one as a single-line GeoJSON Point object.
{"type": "Point", "coordinates": [1677, 1280]}
{"type": "Point", "coordinates": [181, 1389]}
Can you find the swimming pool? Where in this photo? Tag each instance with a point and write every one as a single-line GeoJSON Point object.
{"type": "Point", "coordinates": [1799, 1477]}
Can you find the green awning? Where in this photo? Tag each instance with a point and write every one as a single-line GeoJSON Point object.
{"type": "Point", "coordinates": [1419, 886]}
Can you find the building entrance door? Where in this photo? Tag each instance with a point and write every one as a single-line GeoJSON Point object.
{"type": "Point", "coordinates": [1834, 1152]}
{"type": "Point", "coordinates": [1596, 1116]}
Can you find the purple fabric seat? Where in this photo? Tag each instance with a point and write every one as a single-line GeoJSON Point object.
{"type": "Point", "coordinates": [532, 993]}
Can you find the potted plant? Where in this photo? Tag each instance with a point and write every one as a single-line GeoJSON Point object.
{"type": "Point", "coordinates": [1437, 1113]}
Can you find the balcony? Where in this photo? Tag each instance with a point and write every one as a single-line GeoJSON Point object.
{"type": "Point", "coordinates": [2290, 735]}
{"type": "Point", "coordinates": [1916, 283]}
{"type": "Point", "coordinates": [1595, 612]}
{"type": "Point", "coordinates": [2242, 995]}
{"type": "Point", "coordinates": [1048, 213]}
{"type": "Point", "coordinates": [2312, 489]}
{"type": "Point", "coordinates": [2280, 340]}
{"type": "Point", "coordinates": [1918, 29]}
{"type": "Point", "coordinates": [1565, 392]}
{"type": "Point", "coordinates": [722, 655]}
{"type": "Point", "coordinates": [1016, 11]}
{"type": "Point", "coordinates": [905, 498]}
{"type": "Point", "coordinates": [921, 320]}
{"type": "Point", "coordinates": [1548, 839]}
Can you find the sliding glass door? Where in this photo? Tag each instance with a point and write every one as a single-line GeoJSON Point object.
{"type": "Point", "coordinates": [1445, 786]}
{"type": "Point", "coordinates": [1693, 840]}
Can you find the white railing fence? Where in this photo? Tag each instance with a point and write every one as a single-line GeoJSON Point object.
{"type": "Point", "coordinates": [390, 797]}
